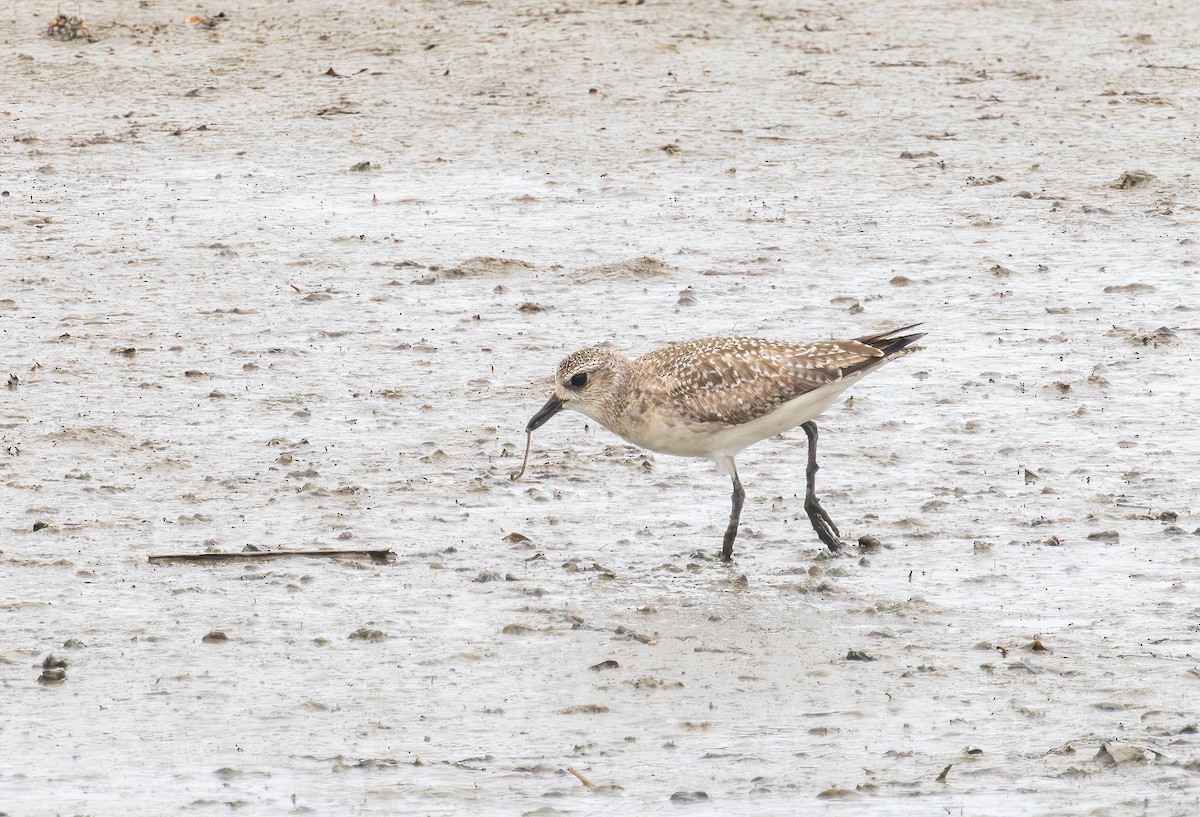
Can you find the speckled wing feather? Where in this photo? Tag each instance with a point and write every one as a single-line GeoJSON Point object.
{"type": "Point", "coordinates": [735, 380]}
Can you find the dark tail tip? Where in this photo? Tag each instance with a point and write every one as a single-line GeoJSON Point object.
{"type": "Point", "coordinates": [889, 343]}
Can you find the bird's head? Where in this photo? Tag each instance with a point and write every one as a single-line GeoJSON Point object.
{"type": "Point", "coordinates": [584, 381]}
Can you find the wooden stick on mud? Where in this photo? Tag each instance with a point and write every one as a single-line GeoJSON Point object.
{"type": "Point", "coordinates": [582, 779]}
{"type": "Point", "coordinates": [381, 555]}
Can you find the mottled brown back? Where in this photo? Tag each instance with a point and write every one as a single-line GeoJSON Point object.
{"type": "Point", "coordinates": [735, 380]}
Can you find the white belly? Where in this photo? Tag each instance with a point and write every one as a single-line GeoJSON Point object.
{"type": "Point", "coordinates": [659, 432]}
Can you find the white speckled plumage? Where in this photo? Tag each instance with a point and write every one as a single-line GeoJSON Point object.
{"type": "Point", "coordinates": [714, 397]}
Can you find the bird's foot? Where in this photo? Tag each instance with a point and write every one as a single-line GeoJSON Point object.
{"type": "Point", "coordinates": [826, 530]}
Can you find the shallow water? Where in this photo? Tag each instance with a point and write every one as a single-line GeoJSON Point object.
{"type": "Point", "coordinates": [224, 336]}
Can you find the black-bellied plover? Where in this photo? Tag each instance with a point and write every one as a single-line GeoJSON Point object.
{"type": "Point", "coordinates": [711, 398]}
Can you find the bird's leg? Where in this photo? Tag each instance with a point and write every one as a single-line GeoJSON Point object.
{"type": "Point", "coordinates": [827, 532]}
{"type": "Point", "coordinates": [739, 495]}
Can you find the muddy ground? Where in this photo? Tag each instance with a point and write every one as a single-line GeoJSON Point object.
{"type": "Point", "coordinates": [295, 277]}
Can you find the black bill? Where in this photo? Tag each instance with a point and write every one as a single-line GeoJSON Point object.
{"type": "Point", "coordinates": [553, 406]}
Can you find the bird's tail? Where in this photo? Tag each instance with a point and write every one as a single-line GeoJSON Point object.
{"type": "Point", "coordinates": [892, 344]}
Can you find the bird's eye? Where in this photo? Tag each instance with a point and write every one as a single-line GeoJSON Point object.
{"type": "Point", "coordinates": [579, 380]}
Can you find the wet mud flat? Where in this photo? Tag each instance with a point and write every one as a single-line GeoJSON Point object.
{"type": "Point", "coordinates": [295, 277]}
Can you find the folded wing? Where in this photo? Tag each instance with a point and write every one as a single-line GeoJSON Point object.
{"type": "Point", "coordinates": [731, 381]}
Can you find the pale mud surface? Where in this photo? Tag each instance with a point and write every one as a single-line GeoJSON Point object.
{"type": "Point", "coordinates": [1032, 473]}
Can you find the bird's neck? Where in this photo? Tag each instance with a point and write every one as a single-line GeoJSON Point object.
{"type": "Point", "coordinates": [617, 396]}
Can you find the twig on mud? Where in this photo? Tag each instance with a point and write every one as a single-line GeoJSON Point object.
{"type": "Point", "coordinates": [582, 779]}
{"type": "Point", "coordinates": [380, 555]}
